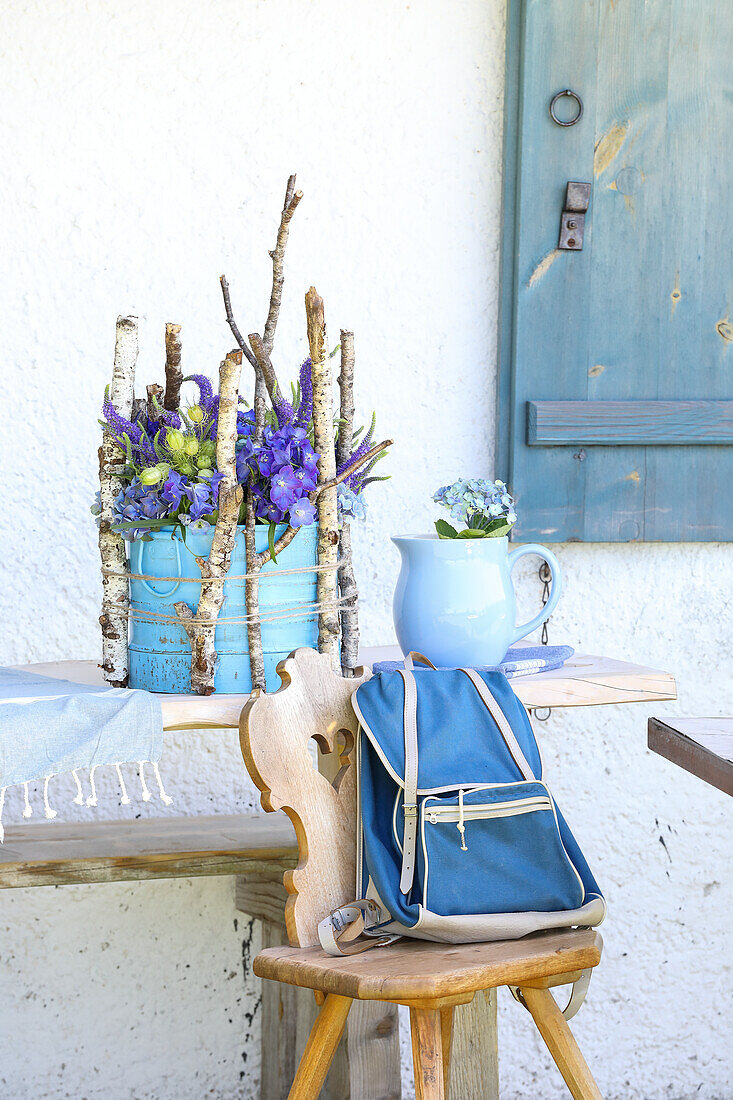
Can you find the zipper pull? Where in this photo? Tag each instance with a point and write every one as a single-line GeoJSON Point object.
{"type": "Point", "coordinates": [460, 826]}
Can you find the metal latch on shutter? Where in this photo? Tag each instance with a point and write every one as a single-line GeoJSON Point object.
{"type": "Point", "coordinates": [572, 220]}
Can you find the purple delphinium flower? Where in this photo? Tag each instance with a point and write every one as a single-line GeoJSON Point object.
{"type": "Point", "coordinates": [174, 488]}
{"type": "Point", "coordinates": [273, 513]}
{"type": "Point", "coordinates": [284, 487]}
{"type": "Point", "coordinates": [308, 478]}
{"type": "Point", "coordinates": [215, 482]}
{"type": "Point", "coordinates": [302, 513]}
{"type": "Point", "coordinates": [200, 498]}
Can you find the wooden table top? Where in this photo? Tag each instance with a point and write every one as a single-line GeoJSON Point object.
{"type": "Point", "coordinates": [583, 681]}
{"type": "Point", "coordinates": [702, 746]}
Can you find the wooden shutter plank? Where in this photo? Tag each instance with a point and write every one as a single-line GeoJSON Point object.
{"type": "Point", "coordinates": [550, 335]}
{"type": "Point", "coordinates": [615, 423]}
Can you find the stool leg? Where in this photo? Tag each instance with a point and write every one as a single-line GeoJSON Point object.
{"type": "Point", "coordinates": [561, 1044]}
{"type": "Point", "coordinates": [427, 1053]}
{"type": "Point", "coordinates": [446, 1037]}
{"type": "Point", "coordinates": [320, 1048]}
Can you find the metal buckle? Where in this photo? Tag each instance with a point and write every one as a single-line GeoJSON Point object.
{"type": "Point", "coordinates": [410, 810]}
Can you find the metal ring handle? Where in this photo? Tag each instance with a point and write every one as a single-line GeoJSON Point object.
{"type": "Point", "coordinates": [572, 95]}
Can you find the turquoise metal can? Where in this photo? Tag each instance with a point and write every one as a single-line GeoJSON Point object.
{"type": "Point", "coordinates": [454, 601]}
{"type": "Point", "coordinates": [159, 649]}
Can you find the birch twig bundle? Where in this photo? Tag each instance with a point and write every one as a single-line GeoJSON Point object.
{"type": "Point", "coordinates": [115, 591]}
{"type": "Point", "coordinates": [201, 627]}
{"type": "Point", "coordinates": [328, 538]}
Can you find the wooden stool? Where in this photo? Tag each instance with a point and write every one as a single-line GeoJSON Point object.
{"type": "Point", "coordinates": [430, 978]}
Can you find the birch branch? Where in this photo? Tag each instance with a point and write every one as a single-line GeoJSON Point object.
{"type": "Point", "coordinates": [252, 597]}
{"type": "Point", "coordinates": [328, 621]}
{"type": "Point", "coordinates": [264, 363]}
{"type": "Point", "coordinates": [201, 627]}
{"type": "Point", "coordinates": [254, 563]}
{"type": "Point", "coordinates": [115, 591]}
{"type": "Point", "coordinates": [292, 198]}
{"type": "Point", "coordinates": [173, 372]}
{"type": "Point", "coordinates": [154, 392]}
{"type": "Point", "coordinates": [277, 255]}
{"type": "Point", "coordinates": [346, 576]}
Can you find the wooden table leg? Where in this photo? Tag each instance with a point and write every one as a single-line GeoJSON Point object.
{"type": "Point", "coordinates": [374, 1051]}
{"type": "Point", "coordinates": [475, 1059]}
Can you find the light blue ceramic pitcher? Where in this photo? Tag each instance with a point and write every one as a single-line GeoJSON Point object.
{"type": "Point", "coordinates": [455, 600]}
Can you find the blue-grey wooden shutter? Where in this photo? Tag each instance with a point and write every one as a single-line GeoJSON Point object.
{"type": "Point", "coordinates": [616, 362]}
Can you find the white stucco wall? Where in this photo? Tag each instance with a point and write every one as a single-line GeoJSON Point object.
{"type": "Point", "coordinates": [145, 150]}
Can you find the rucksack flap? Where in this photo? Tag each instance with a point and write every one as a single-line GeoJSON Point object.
{"type": "Point", "coordinates": [460, 743]}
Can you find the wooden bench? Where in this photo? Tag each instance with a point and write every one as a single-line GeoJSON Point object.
{"type": "Point", "coordinates": [254, 848]}
{"type": "Point", "coordinates": [52, 854]}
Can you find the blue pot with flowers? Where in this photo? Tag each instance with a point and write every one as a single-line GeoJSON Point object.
{"type": "Point", "coordinates": [455, 600]}
{"type": "Point", "coordinates": [167, 514]}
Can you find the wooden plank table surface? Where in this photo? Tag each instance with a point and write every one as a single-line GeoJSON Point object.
{"type": "Point", "coordinates": [582, 682]}
{"type": "Point", "coordinates": [702, 746]}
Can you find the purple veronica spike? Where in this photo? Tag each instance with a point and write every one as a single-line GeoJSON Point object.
{"type": "Point", "coordinates": [119, 424]}
{"type": "Point", "coordinates": [206, 393]}
{"type": "Point", "coordinates": [305, 408]}
{"type": "Point", "coordinates": [360, 451]}
{"type": "Point", "coordinates": [170, 418]}
{"type": "Point", "coordinates": [283, 410]}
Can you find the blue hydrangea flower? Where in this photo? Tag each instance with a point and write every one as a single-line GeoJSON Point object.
{"type": "Point", "coordinates": [350, 504]}
{"type": "Point", "coordinates": [138, 502]}
{"type": "Point", "coordinates": [477, 502]}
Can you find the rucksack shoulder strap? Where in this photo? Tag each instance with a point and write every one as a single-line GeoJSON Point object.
{"type": "Point", "coordinates": [409, 842]}
{"type": "Point", "coordinates": [499, 717]}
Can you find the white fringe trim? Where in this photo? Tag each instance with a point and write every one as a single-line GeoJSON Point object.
{"type": "Point", "coordinates": [141, 772]}
{"type": "Point", "coordinates": [79, 799]}
{"type": "Point", "coordinates": [47, 809]}
{"type": "Point", "coordinates": [79, 796]}
{"type": "Point", "coordinates": [125, 800]}
{"type": "Point", "coordinates": [92, 800]}
{"type": "Point", "coordinates": [164, 798]}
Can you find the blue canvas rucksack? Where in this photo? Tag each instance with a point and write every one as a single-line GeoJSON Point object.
{"type": "Point", "coordinates": [459, 837]}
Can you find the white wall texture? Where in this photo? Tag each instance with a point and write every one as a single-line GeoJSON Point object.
{"type": "Point", "coordinates": [145, 151]}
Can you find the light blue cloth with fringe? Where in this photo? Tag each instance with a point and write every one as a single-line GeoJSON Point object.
{"type": "Point", "coordinates": [49, 726]}
{"type": "Point", "coordinates": [520, 660]}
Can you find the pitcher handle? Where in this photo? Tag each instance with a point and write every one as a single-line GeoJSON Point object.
{"type": "Point", "coordinates": [138, 549]}
{"type": "Point", "coordinates": [555, 590]}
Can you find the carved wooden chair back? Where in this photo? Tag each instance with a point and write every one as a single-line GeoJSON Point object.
{"type": "Point", "coordinates": [276, 733]}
